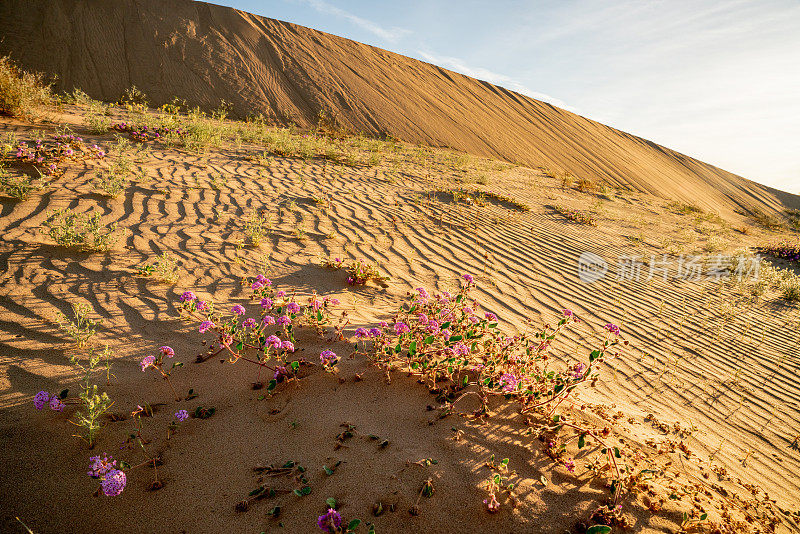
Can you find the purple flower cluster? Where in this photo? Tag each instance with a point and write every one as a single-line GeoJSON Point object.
{"type": "Point", "coordinates": [328, 357]}
{"type": "Point", "coordinates": [330, 521]}
{"type": "Point", "coordinates": [181, 415]}
{"type": "Point", "coordinates": [43, 397]}
{"type": "Point", "coordinates": [100, 465]}
{"type": "Point", "coordinates": [143, 133]}
{"type": "Point", "coordinates": [612, 328]}
{"type": "Point", "coordinates": [113, 483]}
{"type": "Point", "coordinates": [785, 249]}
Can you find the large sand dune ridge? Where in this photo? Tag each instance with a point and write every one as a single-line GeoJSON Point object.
{"type": "Point", "coordinates": [206, 53]}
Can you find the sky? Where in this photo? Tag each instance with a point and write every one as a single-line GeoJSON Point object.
{"type": "Point", "coordinates": [717, 80]}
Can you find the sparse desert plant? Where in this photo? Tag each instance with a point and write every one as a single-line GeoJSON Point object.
{"type": "Point", "coordinates": [218, 180]}
{"type": "Point", "coordinates": [684, 208]}
{"type": "Point", "coordinates": [765, 220]}
{"type": "Point", "coordinates": [790, 289]}
{"type": "Point", "coordinates": [567, 179]}
{"type": "Point", "coordinates": [21, 92]}
{"type": "Point", "coordinates": [256, 227]}
{"type": "Point", "coordinates": [80, 231]}
{"type": "Point", "coordinates": [111, 183]}
{"type": "Point", "coordinates": [164, 269]}
{"type": "Point", "coordinates": [80, 328]}
{"type": "Point", "coordinates": [575, 215]}
{"type": "Point", "coordinates": [586, 185]}
{"type": "Point", "coordinates": [18, 187]}
{"type": "Point", "coordinates": [93, 402]}
{"type": "Point", "coordinates": [133, 100]}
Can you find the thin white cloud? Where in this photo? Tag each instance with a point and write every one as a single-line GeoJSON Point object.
{"type": "Point", "coordinates": [480, 73]}
{"type": "Point", "coordinates": [392, 34]}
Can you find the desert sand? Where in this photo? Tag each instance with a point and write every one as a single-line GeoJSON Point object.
{"type": "Point", "coordinates": [704, 400]}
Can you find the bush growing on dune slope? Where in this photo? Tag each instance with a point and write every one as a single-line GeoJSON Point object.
{"type": "Point", "coordinates": [20, 91]}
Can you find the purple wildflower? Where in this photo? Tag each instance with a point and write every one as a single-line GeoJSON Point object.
{"type": "Point", "coordinates": [113, 483]}
{"type": "Point", "coordinates": [287, 346]}
{"type": "Point", "coordinates": [280, 294]}
{"type": "Point", "coordinates": [167, 351]}
{"type": "Point", "coordinates": [612, 328]}
{"type": "Point", "coordinates": [187, 296]}
{"type": "Point", "coordinates": [401, 328]}
{"type": "Point", "coordinates": [266, 303]}
{"type": "Point", "coordinates": [330, 521]}
{"type": "Point", "coordinates": [469, 278]}
{"type": "Point", "coordinates": [273, 341]}
{"type": "Point", "coordinates": [56, 404]}
{"type": "Point", "coordinates": [284, 320]}
{"type": "Point", "coordinates": [249, 323]}
{"type": "Point", "coordinates": [238, 309]}
{"type": "Point", "coordinates": [490, 316]}
{"type": "Point", "coordinates": [202, 305]}
{"type": "Point", "coordinates": [293, 307]}
{"type": "Point", "coordinates": [375, 332]}
{"type": "Point", "coordinates": [257, 285]}
{"type": "Point", "coordinates": [508, 382]}
{"type": "Point", "coordinates": [41, 399]}
{"type": "Point", "coordinates": [147, 361]}
{"type": "Point", "coordinates": [268, 319]}
{"type": "Point", "coordinates": [205, 326]}
{"type": "Point", "coordinates": [328, 357]}
{"type": "Point", "coordinates": [578, 370]}
{"type": "Point", "coordinates": [100, 466]}
{"type": "Point", "coordinates": [181, 415]}
{"type": "Point", "coordinates": [361, 332]}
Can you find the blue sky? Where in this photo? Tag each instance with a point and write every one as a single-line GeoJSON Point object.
{"type": "Point", "coordinates": [719, 81]}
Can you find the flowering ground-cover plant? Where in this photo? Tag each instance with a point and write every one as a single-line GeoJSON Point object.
{"type": "Point", "coordinates": [51, 157]}
{"type": "Point", "coordinates": [459, 350]}
{"type": "Point", "coordinates": [269, 335]}
{"type": "Point", "coordinates": [785, 249]}
{"type": "Point", "coordinates": [575, 215]}
{"type": "Point", "coordinates": [143, 133]}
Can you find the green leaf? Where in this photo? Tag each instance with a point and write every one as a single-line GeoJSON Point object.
{"type": "Point", "coordinates": [465, 381]}
{"type": "Point", "coordinates": [412, 349]}
{"type": "Point", "coordinates": [599, 529]}
{"type": "Point", "coordinates": [428, 340]}
{"type": "Point", "coordinates": [397, 349]}
{"type": "Point", "coordinates": [328, 470]}
{"type": "Point", "coordinates": [353, 524]}
{"type": "Point", "coordinates": [272, 384]}
{"type": "Point", "coordinates": [582, 441]}
{"type": "Point", "coordinates": [259, 490]}
{"type": "Point", "coordinates": [319, 315]}
{"type": "Point", "coordinates": [594, 355]}
{"type": "Point", "coordinates": [298, 493]}
{"type": "Point", "coordinates": [455, 338]}
{"type": "Point", "coordinates": [331, 502]}
{"type": "Point", "coordinates": [306, 490]}
{"type": "Point", "coordinates": [616, 452]}
{"type": "Point", "coordinates": [703, 517]}
{"type": "Point", "coordinates": [445, 325]}
{"type": "Point", "coordinates": [275, 511]}
{"type": "Point", "coordinates": [505, 461]}
{"type": "Point", "coordinates": [239, 346]}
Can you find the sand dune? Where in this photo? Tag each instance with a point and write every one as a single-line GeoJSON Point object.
{"type": "Point", "coordinates": [205, 53]}
{"type": "Point", "coordinates": [703, 355]}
